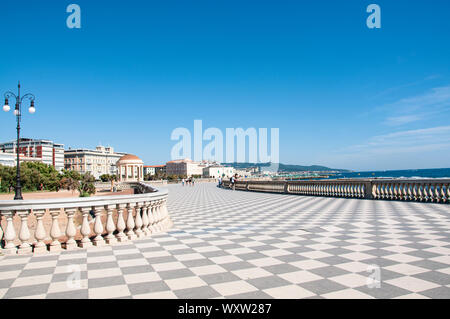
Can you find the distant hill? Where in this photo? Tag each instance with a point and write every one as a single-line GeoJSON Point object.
{"type": "Point", "coordinates": [288, 167]}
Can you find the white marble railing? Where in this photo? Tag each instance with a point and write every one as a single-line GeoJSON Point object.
{"type": "Point", "coordinates": [102, 221]}
{"type": "Point", "coordinates": [426, 190]}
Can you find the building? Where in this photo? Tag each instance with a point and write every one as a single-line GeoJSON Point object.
{"type": "Point", "coordinates": [130, 168]}
{"type": "Point", "coordinates": [216, 171]}
{"type": "Point", "coordinates": [184, 167]}
{"type": "Point", "coordinates": [154, 169]}
{"type": "Point", "coordinates": [10, 159]}
{"type": "Point", "coordinates": [44, 151]}
{"type": "Point", "coordinates": [100, 161]}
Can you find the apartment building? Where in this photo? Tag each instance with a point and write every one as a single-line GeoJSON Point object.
{"type": "Point", "coordinates": [100, 161]}
{"type": "Point", "coordinates": [45, 151]}
{"type": "Point", "coordinates": [185, 167]}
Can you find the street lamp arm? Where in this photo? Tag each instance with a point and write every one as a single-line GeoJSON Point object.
{"type": "Point", "coordinates": [29, 96]}
{"type": "Point", "coordinates": [10, 94]}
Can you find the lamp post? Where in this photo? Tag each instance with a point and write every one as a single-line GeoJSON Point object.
{"type": "Point", "coordinates": [18, 114]}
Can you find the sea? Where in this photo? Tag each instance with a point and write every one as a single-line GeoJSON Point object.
{"type": "Point", "coordinates": [409, 173]}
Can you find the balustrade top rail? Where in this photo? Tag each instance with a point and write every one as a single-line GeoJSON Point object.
{"type": "Point", "coordinates": [423, 190]}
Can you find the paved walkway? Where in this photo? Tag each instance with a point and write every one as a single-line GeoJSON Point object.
{"type": "Point", "coordinates": [256, 245]}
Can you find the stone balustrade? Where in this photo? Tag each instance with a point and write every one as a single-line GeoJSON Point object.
{"type": "Point", "coordinates": [423, 190]}
{"type": "Point", "coordinates": [101, 221]}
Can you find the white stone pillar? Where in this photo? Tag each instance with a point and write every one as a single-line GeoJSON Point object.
{"type": "Point", "coordinates": [121, 237]}
{"type": "Point", "coordinates": [55, 232]}
{"type": "Point", "coordinates": [71, 230]}
{"type": "Point", "coordinates": [98, 226]}
{"type": "Point", "coordinates": [24, 233]}
{"type": "Point", "coordinates": [130, 222]}
{"type": "Point", "coordinates": [138, 221]}
{"type": "Point", "coordinates": [10, 234]}
{"type": "Point", "coordinates": [85, 228]}
{"type": "Point", "coordinates": [110, 227]}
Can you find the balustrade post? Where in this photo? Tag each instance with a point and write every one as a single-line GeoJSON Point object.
{"type": "Point", "coordinates": [145, 220]}
{"type": "Point", "coordinates": [55, 232]}
{"type": "Point", "coordinates": [138, 220]}
{"type": "Point", "coordinates": [39, 234]}
{"type": "Point", "coordinates": [10, 234]}
{"type": "Point", "coordinates": [71, 230]}
{"type": "Point", "coordinates": [121, 237]}
{"type": "Point", "coordinates": [24, 233]}
{"type": "Point", "coordinates": [151, 217]}
{"type": "Point", "coordinates": [110, 227]}
{"type": "Point", "coordinates": [98, 226]}
{"type": "Point", "coordinates": [130, 222]}
{"type": "Point", "coordinates": [85, 228]}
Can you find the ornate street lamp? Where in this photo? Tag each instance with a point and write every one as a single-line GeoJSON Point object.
{"type": "Point", "coordinates": [18, 114]}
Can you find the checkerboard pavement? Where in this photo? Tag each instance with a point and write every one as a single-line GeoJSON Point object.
{"type": "Point", "coordinates": [236, 244]}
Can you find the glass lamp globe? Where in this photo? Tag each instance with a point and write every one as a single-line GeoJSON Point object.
{"type": "Point", "coordinates": [16, 112]}
{"type": "Point", "coordinates": [6, 108]}
{"type": "Point", "coordinates": [32, 109]}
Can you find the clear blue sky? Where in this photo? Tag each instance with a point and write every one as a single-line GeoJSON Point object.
{"type": "Point", "coordinates": [341, 94]}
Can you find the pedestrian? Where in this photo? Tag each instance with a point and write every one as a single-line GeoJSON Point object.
{"type": "Point", "coordinates": [193, 181]}
{"type": "Point", "coordinates": [232, 180]}
{"type": "Point", "coordinates": [220, 181]}
{"type": "Point", "coordinates": [182, 182]}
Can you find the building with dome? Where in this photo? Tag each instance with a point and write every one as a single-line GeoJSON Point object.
{"type": "Point", "coordinates": [130, 168]}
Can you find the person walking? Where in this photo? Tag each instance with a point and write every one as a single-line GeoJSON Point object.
{"type": "Point", "coordinates": [182, 182]}
{"type": "Point", "coordinates": [220, 181]}
{"type": "Point", "coordinates": [193, 181]}
{"type": "Point", "coordinates": [232, 182]}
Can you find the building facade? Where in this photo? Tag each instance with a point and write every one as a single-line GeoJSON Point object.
{"type": "Point", "coordinates": [216, 171]}
{"type": "Point", "coordinates": [100, 161]}
{"type": "Point", "coordinates": [154, 169]}
{"type": "Point", "coordinates": [185, 167]}
{"type": "Point", "coordinates": [44, 151]}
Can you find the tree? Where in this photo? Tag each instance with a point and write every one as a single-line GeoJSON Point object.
{"type": "Point", "coordinates": [69, 183]}
{"type": "Point", "coordinates": [86, 185]}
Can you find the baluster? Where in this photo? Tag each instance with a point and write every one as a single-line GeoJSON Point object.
{"type": "Point", "coordinates": [437, 194]}
{"type": "Point", "coordinates": [145, 221]}
{"type": "Point", "coordinates": [443, 196]}
{"type": "Point", "coordinates": [10, 234]}
{"type": "Point", "coordinates": [404, 190]}
{"type": "Point", "coordinates": [430, 192]}
{"type": "Point", "coordinates": [71, 230]}
{"type": "Point", "coordinates": [375, 193]}
{"type": "Point", "coordinates": [158, 215]}
{"type": "Point", "coordinates": [98, 226]}
{"type": "Point", "coordinates": [410, 191]}
{"type": "Point", "coordinates": [39, 234]}
{"type": "Point", "coordinates": [24, 233]}
{"type": "Point", "coordinates": [415, 191]}
{"type": "Point", "coordinates": [121, 237]}
{"type": "Point", "coordinates": [398, 191]}
{"type": "Point", "coordinates": [138, 222]}
{"type": "Point", "coordinates": [55, 232]}
{"type": "Point", "coordinates": [85, 228]}
{"type": "Point", "coordinates": [130, 222]}
{"type": "Point", "coordinates": [420, 189]}
{"type": "Point", "coordinates": [151, 217]}
{"type": "Point", "coordinates": [110, 227]}
{"type": "Point", "coordinates": [448, 192]}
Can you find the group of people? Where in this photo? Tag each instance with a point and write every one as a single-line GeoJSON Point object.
{"type": "Point", "coordinates": [233, 180]}
{"type": "Point", "coordinates": [189, 181]}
